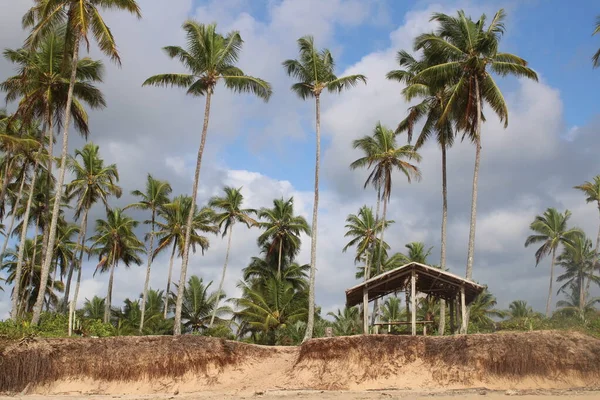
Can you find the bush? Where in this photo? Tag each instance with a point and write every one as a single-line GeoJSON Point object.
{"type": "Point", "coordinates": [217, 331]}
{"type": "Point", "coordinates": [95, 327]}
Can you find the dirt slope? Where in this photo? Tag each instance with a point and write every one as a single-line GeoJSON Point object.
{"type": "Point", "coordinates": [147, 365]}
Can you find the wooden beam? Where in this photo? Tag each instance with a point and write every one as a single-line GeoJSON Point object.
{"type": "Point", "coordinates": [365, 310]}
{"type": "Point", "coordinates": [413, 301]}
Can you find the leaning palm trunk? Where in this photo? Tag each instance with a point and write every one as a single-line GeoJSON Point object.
{"type": "Point", "coordinates": [12, 218]}
{"type": "Point", "coordinates": [442, 325]}
{"type": "Point", "coordinates": [147, 281]}
{"type": "Point", "coordinates": [37, 309]}
{"type": "Point", "coordinates": [6, 181]}
{"type": "Point", "coordinates": [81, 244]}
{"type": "Point", "coordinates": [166, 310]}
{"type": "Point", "coordinates": [310, 324]}
{"type": "Point", "coordinates": [549, 301]}
{"type": "Point", "coordinates": [188, 228]}
{"type": "Point", "coordinates": [471, 251]}
{"type": "Point", "coordinates": [21, 254]}
{"type": "Point", "coordinates": [366, 297]}
{"type": "Point", "coordinates": [375, 248]}
{"type": "Point", "coordinates": [214, 313]}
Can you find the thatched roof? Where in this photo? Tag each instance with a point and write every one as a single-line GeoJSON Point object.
{"type": "Point", "coordinates": [430, 280]}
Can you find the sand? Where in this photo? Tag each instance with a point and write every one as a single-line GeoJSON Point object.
{"type": "Point", "coordinates": [479, 394]}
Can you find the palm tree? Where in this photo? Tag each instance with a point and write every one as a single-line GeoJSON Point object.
{"type": "Point", "coordinates": [346, 322]}
{"type": "Point", "coordinates": [92, 182]}
{"type": "Point", "coordinates": [231, 212]}
{"type": "Point", "coordinates": [94, 309]}
{"type": "Point", "coordinates": [551, 231]}
{"type": "Point", "coordinates": [596, 57]}
{"type": "Point", "coordinates": [579, 260]}
{"type": "Point", "coordinates": [383, 156]}
{"type": "Point", "coordinates": [430, 109]}
{"type": "Point", "coordinates": [266, 308]}
{"type": "Point", "coordinates": [363, 229]}
{"type": "Point", "coordinates": [465, 52]}
{"type": "Point", "coordinates": [571, 305]}
{"type": "Point", "coordinates": [171, 232]}
{"type": "Point", "coordinates": [82, 18]}
{"type": "Point", "coordinates": [282, 229]}
{"type": "Point", "coordinates": [115, 242]}
{"type": "Point", "coordinates": [315, 72]}
{"type": "Point", "coordinates": [199, 305]}
{"type": "Point", "coordinates": [210, 58]}
{"type": "Point", "coordinates": [391, 311]}
{"type": "Point", "coordinates": [156, 195]}
{"type": "Point", "coordinates": [483, 310]}
{"type": "Point", "coordinates": [260, 270]}
{"type": "Point", "coordinates": [592, 191]}
{"type": "Point", "coordinates": [520, 309]}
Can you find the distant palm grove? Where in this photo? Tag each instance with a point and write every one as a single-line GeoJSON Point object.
{"type": "Point", "coordinates": [46, 194]}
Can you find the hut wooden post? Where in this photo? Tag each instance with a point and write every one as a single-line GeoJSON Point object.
{"type": "Point", "coordinates": [463, 308]}
{"type": "Point", "coordinates": [365, 310]}
{"type": "Point", "coordinates": [452, 316]}
{"type": "Point", "coordinates": [413, 302]}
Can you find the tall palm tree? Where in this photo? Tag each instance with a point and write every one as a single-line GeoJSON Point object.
{"type": "Point", "coordinates": [596, 57]}
{"type": "Point", "coordinates": [282, 229]}
{"type": "Point", "coordinates": [551, 230]}
{"type": "Point", "coordinates": [83, 19]}
{"type": "Point", "coordinates": [580, 261]}
{"type": "Point", "coordinates": [466, 52]}
{"type": "Point", "coordinates": [231, 211]}
{"type": "Point", "coordinates": [314, 71]}
{"type": "Point", "coordinates": [156, 195]}
{"type": "Point", "coordinates": [171, 232]}
{"type": "Point", "coordinates": [383, 156]}
{"type": "Point", "coordinates": [93, 182]}
{"type": "Point", "coordinates": [592, 191]}
{"type": "Point", "coordinates": [115, 242]}
{"type": "Point", "coordinates": [210, 58]}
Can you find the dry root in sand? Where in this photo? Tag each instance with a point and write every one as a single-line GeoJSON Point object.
{"type": "Point", "coordinates": [559, 359]}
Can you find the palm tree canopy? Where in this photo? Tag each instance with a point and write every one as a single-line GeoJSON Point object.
{"type": "Point", "coordinates": [551, 230]}
{"type": "Point", "coordinates": [466, 53]}
{"type": "Point", "coordinates": [520, 309]}
{"type": "Point", "coordinates": [198, 305]}
{"type": "Point", "coordinates": [93, 181]}
{"type": "Point", "coordinates": [383, 155]}
{"type": "Point", "coordinates": [82, 18]}
{"type": "Point", "coordinates": [363, 230]}
{"type": "Point", "coordinates": [156, 195]}
{"type": "Point", "coordinates": [115, 240]}
{"type": "Point", "coordinates": [315, 71]}
{"type": "Point", "coordinates": [210, 57]}
{"type": "Point", "coordinates": [42, 82]}
{"type": "Point", "coordinates": [171, 229]}
{"type": "Point", "coordinates": [282, 227]}
{"type": "Point", "coordinates": [591, 190]}
{"type": "Point", "coordinates": [231, 212]}
{"type": "Point", "coordinates": [579, 260]}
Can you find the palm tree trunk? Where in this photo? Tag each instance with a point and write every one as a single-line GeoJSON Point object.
{"type": "Point", "coordinates": [188, 228]}
{"type": "Point", "coordinates": [442, 325]}
{"type": "Point", "coordinates": [549, 301]}
{"type": "Point", "coordinates": [147, 281]}
{"type": "Point", "coordinates": [12, 218]}
{"type": "Point", "coordinates": [279, 261]}
{"type": "Point", "coordinates": [78, 261]}
{"type": "Point", "coordinates": [37, 310]}
{"type": "Point", "coordinates": [310, 324]}
{"type": "Point", "coordinates": [214, 313]}
{"type": "Point", "coordinates": [169, 280]}
{"type": "Point", "coordinates": [6, 181]}
{"type": "Point", "coordinates": [471, 250]}
{"type": "Point", "coordinates": [366, 298]}
{"type": "Point", "coordinates": [378, 271]}
{"type": "Point", "coordinates": [81, 244]}
{"type": "Point", "coordinates": [108, 301]}
{"type": "Point", "coordinates": [15, 304]}
{"type": "Point", "coordinates": [589, 281]}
